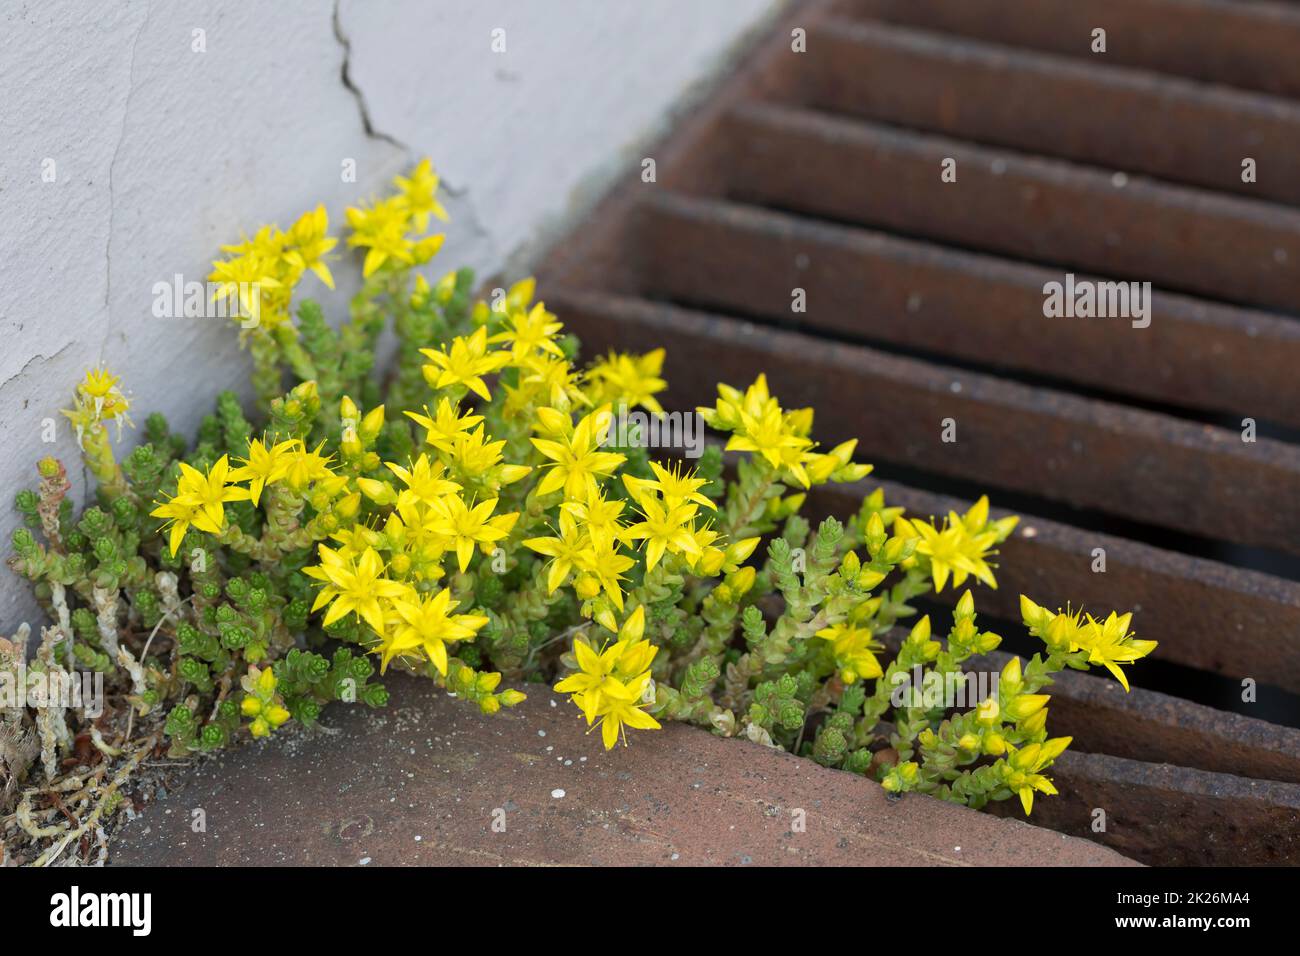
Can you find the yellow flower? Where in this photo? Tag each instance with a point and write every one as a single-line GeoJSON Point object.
{"type": "Point", "coordinates": [1110, 644]}
{"type": "Point", "coordinates": [474, 455]}
{"type": "Point", "coordinates": [598, 671]}
{"type": "Point", "coordinates": [179, 518]}
{"type": "Point", "coordinates": [595, 674]}
{"type": "Point", "coordinates": [1021, 770]}
{"type": "Point", "coordinates": [1107, 642]}
{"type": "Point", "coordinates": [427, 624]}
{"type": "Point", "coordinates": [577, 462]}
{"type": "Point", "coordinates": [852, 647]}
{"type": "Point", "coordinates": [664, 529]}
{"type": "Point", "coordinates": [465, 362]}
{"type": "Point", "coordinates": [546, 379]}
{"type": "Point", "coordinates": [302, 467]}
{"type": "Point", "coordinates": [771, 435]}
{"type": "Point", "coordinates": [565, 551]}
{"type": "Point", "coordinates": [420, 193]}
{"type": "Point", "coordinates": [959, 548]}
{"type": "Point", "coordinates": [100, 389]}
{"type": "Point", "coordinates": [245, 280]}
{"type": "Point", "coordinates": [200, 500]}
{"type": "Point", "coordinates": [677, 485]}
{"type": "Point", "coordinates": [263, 466]}
{"type": "Point", "coordinates": [261, 702]}
{"type": "Point", "coordinates": [755, 401]}
{"type": "Point", "coordinates": [424, 480]}
{"type": "Point", "coordinates": [603, 560]}
{"type": "Point", "coordinates": [353, 585]}
{"type": "Point", "coordinates": [530, 332]}
{"type": "Point", "coordinates": [98, 399]}
{"type": "Point", "coordinates": [837, 465]}
{"type": "Point", "coordinates": [599, 514]}
{"type": "Point", "coordinates": [761, 427]}
{"type": "Point", "coordinates": [629, 379]}
{"type": "Point", "coordinates": [518, 297]}
{"type": "Point", "coordinates": [381, 230]}
{"type": "Point", "coordinates": [465, 527]}
{"type": "Point", "coordinates": [620, 707]}
{"type": "Point", "coordinates": [308, 243]}
{"type": "Point", "coordinates": [445, 425]}
{"type": "Point", "coordinates": [610, 683]}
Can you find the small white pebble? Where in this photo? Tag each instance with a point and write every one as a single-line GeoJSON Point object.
{"type": "Point", "coordinates": [364, 860]}
{"type": "Point", "coordinates": [541, 733]}
{"type": "Point", "coordinates": [557, 794]}
{"type": "Point", "coordinates": [1119, 180]}
{"type": "Point", "coordinates": [418, 839]}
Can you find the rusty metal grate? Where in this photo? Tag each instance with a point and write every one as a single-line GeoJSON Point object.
{"type": "Point", "coordinates": [820, 170]}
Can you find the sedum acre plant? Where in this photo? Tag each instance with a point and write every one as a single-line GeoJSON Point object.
{"type": "Point", "coordinates": [475, 518]}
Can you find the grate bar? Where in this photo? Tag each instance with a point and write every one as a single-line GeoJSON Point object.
{"type": "Point", "coordinates": [1174, 593]}
{"type": "Point", "coordinates": [1188, 132]}
{"type": "Point", "coordinates": [876, 287]}
{"type": "Point", "coordinates": [1150, 726]}
{"type": "Point", "coordinates": [1131, 463]}
{"type": "Point", "coordinates": [1243, 44]}
{"type": "Point", "coordinates": [1042, 210]}
{"type": "Point", "coordinates": [1166, 815]}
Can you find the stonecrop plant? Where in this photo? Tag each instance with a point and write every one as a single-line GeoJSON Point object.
{"type": "Point", "coordinates": [474, 518]}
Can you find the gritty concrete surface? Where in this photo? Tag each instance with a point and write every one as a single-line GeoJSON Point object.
{"type": "Point", "coordinates": [139, 136]}
{"type": "Point", "coordinates": [429, 781]}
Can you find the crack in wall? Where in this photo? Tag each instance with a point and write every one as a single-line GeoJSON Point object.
{"type": "Point", "coordinates": [477, 230]}
{"type": "Point", "coordinates": [38, 357]}
{"type": "Point", "coordinates": [348, 83]}
{"type": "Point", "coordinates": [112, 163]}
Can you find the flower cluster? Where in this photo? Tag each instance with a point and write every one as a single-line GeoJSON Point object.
{"type": "Point", "coordinates": [391, 230]}
{"type": "Point", "coordinates": [611, 684]}
{"type": "Point", "coordinates": [260, 274]}
{"type": "Point", "coordinates": [261, 702]}
{"type": "Point", "coordinates": [474, 517]}
{"type": "Point", "coordinates": [1080, 642]}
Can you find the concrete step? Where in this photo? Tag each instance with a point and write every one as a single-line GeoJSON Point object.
{"type": "Point", "coordinates": [422, 781]}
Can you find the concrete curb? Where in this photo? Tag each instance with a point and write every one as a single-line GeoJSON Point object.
{"type": "Point", "coordinates": [423, 781]}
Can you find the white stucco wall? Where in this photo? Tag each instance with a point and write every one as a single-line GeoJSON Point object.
{"type": "Point", "coordinates": [159, 153]}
